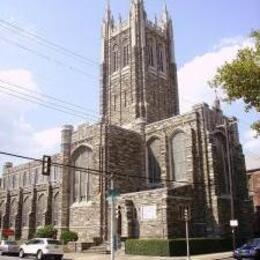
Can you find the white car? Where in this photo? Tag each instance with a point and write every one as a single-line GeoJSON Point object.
{"type": "Point", "coordinates": [42, 248]}
{"type": "Point", "coordinates": [8, 247]}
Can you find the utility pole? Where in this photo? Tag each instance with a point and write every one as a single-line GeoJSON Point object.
{"type": "Point", "coordinates": [226, 127]}
{"type": "Point", "coordinates": [112, 232]}
{"type": "Point", "coordinates": [233, 222]}
{"type": "Point", "coordinates": [186, 218]}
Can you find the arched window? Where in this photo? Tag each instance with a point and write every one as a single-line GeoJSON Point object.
{"type": "Point", "coordinates": [55, 209]}
{"type": "Point", "coordinates": [179, 157]}
{"type": "Point", "coordinates": [160, 57]}
{"type": "Point", "coordinates": [25, 212]}
{"type": "Point", "coordinates": [40, 208]}
{"type": "Point", "coordinates": [24, 179]}
{"type": "Point", "coordinates": [154, 169]}
{"type": "Point", "coordinates": [125, 53]}
{"type": "Point", "coordinates": [115, 58]}
{"type": "Point", "coordinates": [12, 213]}
{"type": "Point", "coordinates": [221, 165]}
{"type": "Point", "coordinates": [151, 53]}
{"type": "Point", "coordinates": [36, 176]}
{"type": "Point", "coordinates": [14, 181]}
{"type": "Point", "coordinates": [1, 212]}
{"type": "Point", "coordinates": [82, 158]}
{"type": "Point", "coordinates": [4, 183]}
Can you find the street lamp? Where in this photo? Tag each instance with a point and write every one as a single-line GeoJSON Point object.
{"type": "Point", "coordinates": [186, 218]}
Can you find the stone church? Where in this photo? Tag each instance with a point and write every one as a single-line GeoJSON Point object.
{"type": "Point", "coordinates": [161, 161]}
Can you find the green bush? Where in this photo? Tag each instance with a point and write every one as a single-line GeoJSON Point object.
{"type": "Point", "coordinates": [176, 247]}
{"type": "Point", "coordinates": [46, 232]}
{"type": "Point", "coordinates": [67, 236]}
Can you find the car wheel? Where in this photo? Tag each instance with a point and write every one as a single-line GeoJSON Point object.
{"type": "Point", "coordinates": [39, 255]}
{"type": "Point", "coordinates": [21, 253]}
{"type": "Point", "coordinates": [257, 256]}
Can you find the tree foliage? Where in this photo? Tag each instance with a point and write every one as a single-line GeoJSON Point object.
{"type": "Point", "coordinates": [240, 79]}
{"type": "Point", "coordinates": [67, 236]}
{"type": "Point", "coordinates": [46, 232]}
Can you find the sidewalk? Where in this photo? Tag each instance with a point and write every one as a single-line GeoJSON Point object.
{"type": "Point", "coordinates": [84, 256]}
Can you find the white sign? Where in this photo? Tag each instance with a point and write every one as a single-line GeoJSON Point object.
{"type": "Point", "coordinates": [149, 212]}
{"type": "Point", "coordinates": [233, 223]}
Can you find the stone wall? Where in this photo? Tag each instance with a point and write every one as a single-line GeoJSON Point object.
{"type": "Point", "coordinates": [86, 215]}
{"type": "Point", "coordinates": [125, 158]}
{"type": "Point", "coordinates": [22, 185]}
{"type": "Point", "coordinates": [254, 191]}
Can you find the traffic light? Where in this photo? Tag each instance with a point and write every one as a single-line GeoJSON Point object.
{"type": "Point", "coordinates": [46, 165]}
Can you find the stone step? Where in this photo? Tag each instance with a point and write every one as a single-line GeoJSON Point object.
{"type": "Point", "coordinates": [100, 249]}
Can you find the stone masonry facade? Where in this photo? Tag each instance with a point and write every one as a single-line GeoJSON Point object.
{"type": "Point", "coordinates": [254, 191]}
{"type": "Point", "coordinates": [162, 162]}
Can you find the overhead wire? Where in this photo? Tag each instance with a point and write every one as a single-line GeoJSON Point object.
{"type": "Point", "coordinates": [59, 48]}
{"type": "Point", "coordinates": [42, 40]}
{"type": "Point", "coordinates": [48, 58]}
{"type": "Point", "coordinates": [24, 98]}
{"type": "Point", "coordinates": [109, 174]}
{"type": "Point", "coordinates": [44, 98]}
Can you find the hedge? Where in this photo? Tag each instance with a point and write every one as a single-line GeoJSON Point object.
{"type": "Point", "coordinates": [46, 232]}
{"type": "Point", "coordinates": [176, 247]}
{"type": "Point", "coordinates": [67, 236]}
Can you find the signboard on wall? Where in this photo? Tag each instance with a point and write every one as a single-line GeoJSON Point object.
{"type": "Point", "coordinates": [149, 212]}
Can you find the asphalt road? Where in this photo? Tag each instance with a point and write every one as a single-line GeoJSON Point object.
{"type": "Point", "coordinates": [17, 258]}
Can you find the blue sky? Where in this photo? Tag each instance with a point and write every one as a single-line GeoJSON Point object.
{"type": "Point", "coordinates": [206, 33]}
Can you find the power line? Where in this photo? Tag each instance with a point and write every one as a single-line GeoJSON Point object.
{"type": "Point", "coordinates": [48, 58]}
{"type": "Point", "coordinates": [62, 104]}
{"type": "Point", "coordinates": [42, 104]}
{"type": "Point", "coordinates": [40, 39]}
{"type": "Point", "coordinates": [108, 174]}
{"type": "Point", "coordinates": [45, 95]}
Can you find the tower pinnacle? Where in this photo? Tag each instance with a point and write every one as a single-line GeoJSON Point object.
{"type": "Point", "coordinates": [165, 13]}
{"type": "Point", "coordinates": [107, 16]}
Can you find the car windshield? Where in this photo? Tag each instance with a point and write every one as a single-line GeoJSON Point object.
{"type": "Point", "coordinates": [53, 242]}
{"type": "Point", "coordinates": [254, 242]}
{"type": "Point", "coordinates": [10, 243]}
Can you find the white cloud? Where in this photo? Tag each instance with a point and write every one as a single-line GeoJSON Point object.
{"type": "Point", "coordinates": [251, 147]}
{"type": "Point", "coordinates": [16, 134]}
{"type": "Point", "coordinates": [194, 75]}
{"type": "Point", "coordinates": [47, 140]}
{"type": "Point", "coordinates": [193, 88]}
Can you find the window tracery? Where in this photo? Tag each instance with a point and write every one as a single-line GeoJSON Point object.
{"type": "Point", "coordinates": [115, 58]}
{"type": "Point", "coordinates": [25, 212]}
{"type": "Point", "coordinates": [160, 58]}
{"type": "Point", "coordinates": [125, 54]}
{"type": "Point", "coordinates": [154, 169]}
{"type": "Point", "coordinates": [81, 179]}
{"type": "Point", "coordinates": [178, 145]}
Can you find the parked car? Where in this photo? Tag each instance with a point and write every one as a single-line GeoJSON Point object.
{"type": "Point", "coordinates": [8, 247]}
{"type": "Point", "coordinates": [42, 248]}
{"type": "Point", "coordinates": [249, 250]}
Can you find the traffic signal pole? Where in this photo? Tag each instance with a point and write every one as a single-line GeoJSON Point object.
{"type": "Point", "coordinates": [112, 231]}
{"type": "Point", "coordinates": [186, 217]}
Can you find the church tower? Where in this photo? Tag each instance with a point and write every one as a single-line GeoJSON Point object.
{"type": "Point", "coordinates": [139, 78]}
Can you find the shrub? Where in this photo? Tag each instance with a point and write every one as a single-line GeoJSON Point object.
{"type": "Point", "coordinates": [46, 232]}
{"type": "Point", "coordinates": [67, 236]}
{"type": "Point", "coordinates": [176, 247]}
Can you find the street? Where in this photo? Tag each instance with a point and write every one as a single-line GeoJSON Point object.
{"type": "Point", "coordinates": [121, 257]}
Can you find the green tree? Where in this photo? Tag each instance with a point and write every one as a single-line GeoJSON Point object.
{"type": "Point", "coordinates": [67, 236]}
{"type": "Point", "coordinates": [240, 78]}
{"type": "Point", "coordinates": [46, 232]}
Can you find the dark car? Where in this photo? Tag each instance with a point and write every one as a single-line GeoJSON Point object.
{"type": "Point", "coordinates": [249, 250]}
